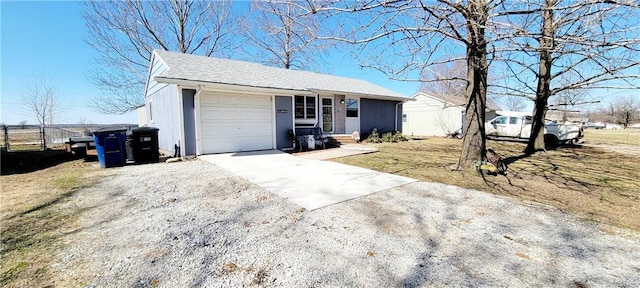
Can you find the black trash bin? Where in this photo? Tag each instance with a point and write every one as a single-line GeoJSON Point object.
{"type": "Point", "coordinates": [144, 145]}
{"type": "Point", "coordinates": [128, 144]}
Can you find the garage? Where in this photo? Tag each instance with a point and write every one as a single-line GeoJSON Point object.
{"type": "Point", "coordinates": [204, 105]}
{"type": "Point", "coordinates": [235, 122]}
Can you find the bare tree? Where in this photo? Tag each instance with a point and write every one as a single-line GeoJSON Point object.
{"type": "Point", "coordinates": [124, 33]}
{"type": "Point", "coordinates": [85, 125]}
{"type": "Point", "coordinates": [513, 103]}
{"type": "Point", "coordinates": [625, 109]}
{"type": "Point", "coordinates": [39, 98]}
{"type": "Point", "coordinates": [283, 33]}
{"type": "Point", "coordinates": [448, 125]}
{"type": "Point", "coordinates": [423, 35]}
{"type": "Point", "coordinates": [23, 124]}
{"type": "Point", "coordinates": [596, 41]}
{"type": "Point", "coordinates": [445, 79]}
{"type": "Point", "coordinates": [568, 102]}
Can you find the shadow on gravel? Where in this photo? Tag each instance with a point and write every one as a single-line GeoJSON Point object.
{"type": "Point", "coordinates": [503, 252]}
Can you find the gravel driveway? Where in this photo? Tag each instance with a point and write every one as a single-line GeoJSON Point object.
{"type": "Point", "coordinates": [194, 224]}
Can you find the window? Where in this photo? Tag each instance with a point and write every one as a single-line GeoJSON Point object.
{"type": "Point", "coordinates": [311, 107]}
{"type": "Point", "coordinates": [527, 120]}
{"type": "Point", "coordinates": [305, 107]}
{"type": "Point", "coordinates": [299, 107]}
{"type": "Point", "coordinates": [327, 114]}
{"type": "Point", "coordinates": [352, 107]}
{"type": "Point", "coordinates": [513, 120]}
{"type": "Point", "coordinates": [500, 120]}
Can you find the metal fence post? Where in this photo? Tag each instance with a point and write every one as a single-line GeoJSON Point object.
{"type": "Point", "coordinates": [43, 139]}
{"type": "Point", "coordinates": [6, 137]}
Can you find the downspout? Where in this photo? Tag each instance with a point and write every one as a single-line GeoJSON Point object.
{"type": "Point", "coordinates": [395, 119]}
{"type": "Point", "coordinates": [196, 111]}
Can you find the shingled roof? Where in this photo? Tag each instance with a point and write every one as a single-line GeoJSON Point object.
{"type": "Point", "coordinates": [187, 67]}
{"type": "Point", "coordinates": [454, 100]}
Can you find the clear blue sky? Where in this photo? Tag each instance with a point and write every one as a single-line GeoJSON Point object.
{"type": "Point", "coordinates": [47, 36]}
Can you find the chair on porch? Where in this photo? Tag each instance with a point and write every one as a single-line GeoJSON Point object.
{"type": "Point", "coordinates": [295, 141]}
{"type": "Point", "coordinates": [320, 137]}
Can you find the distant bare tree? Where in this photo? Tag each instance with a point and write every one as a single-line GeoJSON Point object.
{"type": "Point", "coordinates": [85, 125]}
{"type": "Point", "coordinates": [447, 124]}
{"type": "Point", "coordinates": [23, 124]}
{"type": "Point", "coordinates": [568, 102]}
{"type": "Point", "coordinates": [124, 33]}
{"type": "Point", "coordinates": [625, 109]}
{"type": "Point", "coordinates": [283, 33]}
{"type": "Point", "coordinates": [39, 98]}
{"type": "Point", "coordinates": [513, 103]}
{"type": "Point", "coordinates": [445, 79]}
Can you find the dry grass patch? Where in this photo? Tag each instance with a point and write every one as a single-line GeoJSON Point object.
{"type": "Point", "coordinates": [612, 137]}
{"type": "Point", "coordinates": [595, 184]}
{"type": "Point", "coordinates": [35, 221]}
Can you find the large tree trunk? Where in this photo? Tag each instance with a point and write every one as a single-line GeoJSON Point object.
{"type": "Point", "coordinates": [543, 90]}
{"type": "Point", "coordinates": [474, 142]}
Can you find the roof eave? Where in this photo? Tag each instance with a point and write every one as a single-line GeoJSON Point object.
{"type": "Point", "coordinates": [226, 86]}
{"type": "Point", "coordinates": [364, 95]}
{"type": "Point", "coordinates": [437, 99]}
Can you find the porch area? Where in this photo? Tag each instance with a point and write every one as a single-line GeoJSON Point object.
{"type": "Point", "coordinates": [307, 139]}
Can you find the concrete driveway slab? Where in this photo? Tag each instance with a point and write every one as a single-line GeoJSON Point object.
{"type": "Point", "coordinates": [309, 183]}
{"type": "Point", "coordinates": [333, 153]}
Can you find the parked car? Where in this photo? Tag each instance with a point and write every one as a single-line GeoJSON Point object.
{"type": "Point", "coordinates": [519, 127]}
{"type": "Point", "coordinates": [595, 125]}
{"type": "Point", "coordinates": [612, 126]}
{"type": "Point", "coordinates": [635, 126]}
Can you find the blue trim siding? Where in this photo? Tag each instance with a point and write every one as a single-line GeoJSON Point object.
{"type": "Point", "coordinates": [399, 119]}
{"type": "Point", "coordinates": [188, 111]}
{"type": "Point", "coordinates": [284, 121]}
{"type": "Point", "coordinates": [379, 114]}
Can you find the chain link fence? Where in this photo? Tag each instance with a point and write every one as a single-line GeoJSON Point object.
{"type": "Point", "coordinates": [33, 137]}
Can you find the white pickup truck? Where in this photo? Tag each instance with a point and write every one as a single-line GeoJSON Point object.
{"type": "Point", "coordinates": [519, 127]}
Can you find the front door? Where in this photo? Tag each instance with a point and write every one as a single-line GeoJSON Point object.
{"type": "Point", "coordinates": [327, 115]}
{"type": "Point", "coordinates": [284, 122]}
{"type": "Point", "coordinates": [352, 123]}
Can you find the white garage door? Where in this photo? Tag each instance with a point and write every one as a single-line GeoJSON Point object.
{"type": "Point", "coordinates": [233, 123]}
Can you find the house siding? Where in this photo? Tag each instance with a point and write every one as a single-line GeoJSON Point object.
{"type": "Point", "coordinates": [427, 116]}
{"type": "Point", "coordinates": [166, 116]}
{"type": "Point", "coordinates": [379, 114]}
{"type": "Point", "coordinates": [339, 114]}
{"type": "Point", "coordinates": [157, 67]}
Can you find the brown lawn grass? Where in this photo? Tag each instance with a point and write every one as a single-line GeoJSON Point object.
{"type": "Point", "coordinates": [595, 184]}
{"type": "Point", "coordinates": [612, 137]}
{"type": "Point", "coordinates": [35, 221]}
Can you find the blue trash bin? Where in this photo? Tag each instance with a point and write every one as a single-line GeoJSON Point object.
{"type": "Point", "coordinates": [110, 146]}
